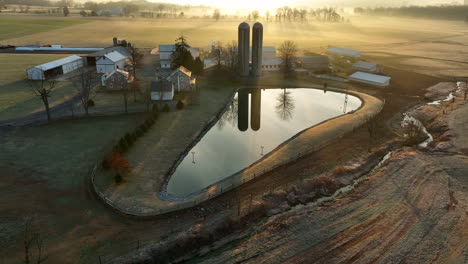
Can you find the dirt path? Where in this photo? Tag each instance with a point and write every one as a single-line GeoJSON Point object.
{"type": "Point", "coordinates": [459, 124]}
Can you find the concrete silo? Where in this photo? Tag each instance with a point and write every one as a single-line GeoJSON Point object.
{"type": "Point", "coordinates": [257, 49]}
{"type": "Point", "coordinates": [243, 49]}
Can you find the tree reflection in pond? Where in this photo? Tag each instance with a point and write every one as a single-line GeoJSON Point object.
{"type": "Point", "coordinates": [285, 105]}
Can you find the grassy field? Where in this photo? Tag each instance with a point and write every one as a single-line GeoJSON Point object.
{"type": "Point", "coordinates": [16, 96]}
{"type": "Point", "coordinates": [18, 26]}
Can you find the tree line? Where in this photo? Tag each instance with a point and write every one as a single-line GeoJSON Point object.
{"type": "Point", "coordinates": [449, 12]}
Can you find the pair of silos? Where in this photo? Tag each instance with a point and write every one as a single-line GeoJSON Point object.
{"type": "Point", "coordinates": [244, 49]}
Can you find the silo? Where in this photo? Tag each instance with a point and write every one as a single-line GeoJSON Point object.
{"type": "Point", "coordinates": [256, 106]}
{"type": "Point", "coordinates": [243, 49]}
{"type": "Point", "coordinates": [243, 109]}
{"type": "Point", "coordinates": [257, 49]}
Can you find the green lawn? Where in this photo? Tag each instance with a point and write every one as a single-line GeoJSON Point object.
{"type": "Point", "coordinates": [13, 27]}
{"type": "Point", "coordinates": [16, 96]}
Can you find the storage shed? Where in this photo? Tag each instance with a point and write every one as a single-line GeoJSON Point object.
{"type": "Point", "coordinates": [344, 52]}
{"type": "Point", "coordinates": [110, 62]}
{"type": "Point", "coordinates": [371, 79]}
{"type": "Point", "coordinates": [364, 66]}
{"type": "Point", "coordinates": [54, 68]}
{"type": "Point", "coordinates": [162, 90]}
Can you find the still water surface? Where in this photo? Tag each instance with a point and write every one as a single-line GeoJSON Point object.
{"type": "Point", "coordinates": [255, 123]}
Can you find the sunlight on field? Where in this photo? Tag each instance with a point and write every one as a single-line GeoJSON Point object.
{"type": "Point", "coordinates": [13, 26]}
{"type": "Point", "coordinates": [16, 95]}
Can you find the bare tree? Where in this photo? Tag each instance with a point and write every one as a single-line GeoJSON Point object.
{"type": "Point", "coordinates": [288, 53]}
{"type": "Point", "coordinates": [31, 238]}
{"type": "Point", "coordinates": [43, 90]}
{"type": "Point", "coordinates": [285, 105]}
{"type": "Point", "coordinates": [217, 14]}
{"type": "Point", "coordinates": [135, 57]}
{"type": "Point", "coordinates": [84, 84]}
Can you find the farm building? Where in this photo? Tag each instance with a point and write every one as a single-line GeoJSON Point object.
{"type": "Point", "coordinates": [118, 76]}
{"type": "Point", "coordinates": [364, 66]}
{"type": "Point", "coordinates": [93, 57]}
{"type": "Point", "coordinates": [370, 79]}
{"type": "Point", "coordinates": [54, 68]}
{"type": "Point", "coordinates": [344, 52]}
{"type": "Point", "coordinates": [165, 54]}
{"type": "Point", "coordinates": [269, 65]}
{"type": "Point", "coordinates": [269, 52]}
{"type": "Point", "coordinates": [162, 90]}
{"type": "Point", "coordinates": [182, 79]}
{"type": "Point", "coordinates": [110, 62]}
{"type": "Point", "coordinates": [315, 63]}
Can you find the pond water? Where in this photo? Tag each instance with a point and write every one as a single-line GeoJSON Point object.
{"type": "Point", "coordinates": [255, 123]}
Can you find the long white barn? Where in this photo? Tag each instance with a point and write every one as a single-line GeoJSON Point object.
{"type": "Point", "coordinates": [371, 79]}
{"type": "Point", "coordinates": [51, 69]}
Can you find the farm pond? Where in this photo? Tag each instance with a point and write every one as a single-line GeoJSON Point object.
{"type": "Point", "coordinates": [255, 122]}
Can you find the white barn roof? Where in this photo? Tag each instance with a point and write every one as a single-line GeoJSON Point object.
{"type": "Point", "coordinates": [373, 79]}
{"type": "Point", "coordinates": [57, 63]}
{"type": "Point", "coordinates": [365, 65]}
{"type": "Point", "coordinates": [344, 52]}
{"type": "Point", "coordinates": [114, 56]}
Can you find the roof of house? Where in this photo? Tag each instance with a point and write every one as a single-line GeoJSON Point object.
{"type": "Point", "coordinates": [275, 61]}
{"type": "Point", "coordinates": [162, 85]}
{"type": "Point", "coordinates": [365, 65]}
{"type": "Point", "coordinates": [122, 50]}
{"type": "Point", "coordinates": [374, 78]}
{"type": "Point", "coordinates": [314, 59]}
{"type": "Point", "coordinates": [57, 63]}
{"type": "Point", "coordinates": [183, 70]}
{"type": "Point", "coordinates": [114, 56]}
{"type": "Point", "coordinates": [344, 52]}
{"type": "Point", "coordinates": [122, 72]}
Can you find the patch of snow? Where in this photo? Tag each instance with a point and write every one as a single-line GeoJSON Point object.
{"type": "Point", "coordinates": [407, 120]}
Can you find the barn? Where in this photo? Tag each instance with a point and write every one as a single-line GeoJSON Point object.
{"type": "Point", "coordinates": [110, 62]}
{"type": "Point", "coordinates": [315, 63]}
{"type": "Point", "coordinates": [371, 79]}
{"type": "Point", "coordinates": [54, 68]}
{"type": "Point", "coordinates": [364, 66]}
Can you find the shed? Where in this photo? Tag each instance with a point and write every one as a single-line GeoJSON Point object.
{"type": "Point", "coordinates": [344, 52]}
{"type": "Point", "coordinates": [315, 63]}
{"type": "Point", "coordinates": [110, 62]}
{"type": "Point", "coordinates": [54, 68]}
{"type": "Point", "coordinates": [162, 90]}
{"type": "Point", "coordinates": [371, 79]}
{"type": "Point", "coordinates": [182, 79]}
{"type": "Point", "coordinates": [364, 66]}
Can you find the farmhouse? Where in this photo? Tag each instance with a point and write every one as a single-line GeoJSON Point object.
{"type": "Point", "coordinates": [371, 79]}
{"type": "Point", "coordinates": [364, 66]}
{"type": "Point", "coordinates": [93, 57]}
{"type": "Point", "coordinates": [182, 79]}
{"type": "Point", "coordinates": [118, 76]}
{"type": "Point", "coordinates": [344, 52]}
{"type": "Point", "coordinates": [165, 54]}
{"type": "Point", "coordinates": [162, 90]}
{"type": "Point", "coordinates": [269, 65]}
{"type": "Point", "coordinates": [54, 68]}
{"type": "Point", "coordinates": [110, 62]}
{"type": "Point", "coordinates": [315, 63]}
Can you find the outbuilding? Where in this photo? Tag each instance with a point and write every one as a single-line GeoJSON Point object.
{"type": "Point", "coordinates": [344, 52]}
{"type": "Point", "coordinates": [315, 63]}
{"type": "Point", "coordinates": [121, 77]}
{"type": "Point", "coordinates": [371, 79]}
{"type": "Point", "coordinates": [110, 62]}
{"type": "Point", "coordinates": [162, 90]}
{"type": "Point", "coordinates": [182, 79]}
{"type": "Point", "coordinates": [54, 68]}
{"type": "Point", "coordinates": [364, 66]}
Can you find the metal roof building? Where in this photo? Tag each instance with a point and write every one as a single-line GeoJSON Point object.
{"type": "Point", "coordinates": [371, 79]}
{"type": "Point", "coordinates": [54, 68]}
{"type": "Point", "coordinates": [344, 52]}
{"type": "Point", "coordinates": [364, 66]}
{"type": "Point", "coordinates": [110, 62]}
{"type": "Point", "coordinates": [315, 63]}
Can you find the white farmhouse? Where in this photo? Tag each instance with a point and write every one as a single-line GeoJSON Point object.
{"type": "Point", "coordinates": [54, 68]}
{"type": "Point", "coordinates": [165, 54]}
{"type": "Point", "coordinates": [110, 62]}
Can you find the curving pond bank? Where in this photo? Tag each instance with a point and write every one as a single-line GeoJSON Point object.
{"type": "Point", "coordinates": [149, 202]}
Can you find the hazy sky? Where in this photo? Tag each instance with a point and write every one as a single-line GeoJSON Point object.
{"type": "Point", "coordinates": [269, 4]}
